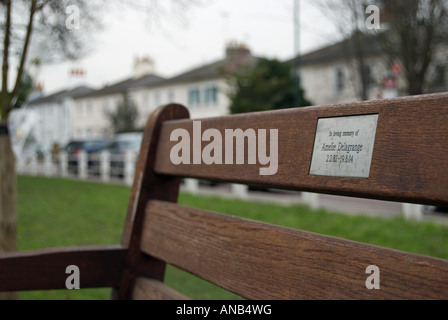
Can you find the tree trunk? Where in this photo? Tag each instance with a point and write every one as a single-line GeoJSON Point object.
{"type": "Point", "coordinates": [415, 84]}
{"type": "Point", "coordinates": [8, 197]}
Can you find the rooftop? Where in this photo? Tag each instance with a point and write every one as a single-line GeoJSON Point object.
{"type": "Point", "coordinates": [125, 85]}
{"type": "Point", "coordinates": [369, 45]}
{"type": "Point", "coordinates": [55, 97]}
{"type": "Point", "coordinates": [236, 55]}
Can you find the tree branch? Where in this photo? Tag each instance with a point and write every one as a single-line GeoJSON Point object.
{"type": "Point", "coordinates": [26, 43]}
{"type": "Point", "coordinates": [42, 5]}
{"type": "Point", "coordinates": [6, 43]}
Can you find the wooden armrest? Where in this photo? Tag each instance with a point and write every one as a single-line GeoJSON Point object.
{"type": "Point", "coordinates": [99, 266]}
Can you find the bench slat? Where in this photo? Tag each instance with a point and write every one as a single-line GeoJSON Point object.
{"type": "Point", "coordinates": [99, 266]}
{"type": "Point", "coordinates": [150, 289]}
{"type": "Point", "coordinates": [261, 261]}
{"type": "Point", "coordinates": [409, 155]}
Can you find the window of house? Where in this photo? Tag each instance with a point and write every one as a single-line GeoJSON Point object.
{"type": "Point", "coordinates": [171, 97]}
{"type": "Point", "coordinates": [340, 81]}
{"type": "Point", "coordinates": [211, 95]}
{"type": "Point", "coordinates": [194, 97]}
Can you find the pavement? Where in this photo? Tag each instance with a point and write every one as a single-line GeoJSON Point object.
{"type": "Point", "coordinates": [345, 205]}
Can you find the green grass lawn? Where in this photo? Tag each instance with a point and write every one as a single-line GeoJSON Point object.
{"type": "Point", "coordinates": [58, 212]}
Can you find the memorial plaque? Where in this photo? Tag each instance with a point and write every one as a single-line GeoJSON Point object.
{"type": "Point", "coordinates": [343, 146]}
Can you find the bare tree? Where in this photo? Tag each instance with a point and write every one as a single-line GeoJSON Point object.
{"type": "Point", "coordinates": [349, 18]}
{"type": "Point", "coordinates": [60, 29]}
{"type": "Point", "coordinates": [18, 21]}
{"type": "Point", "coordinates": [411, 33]}
{"type": "Point", "coordinates": [416, 31]}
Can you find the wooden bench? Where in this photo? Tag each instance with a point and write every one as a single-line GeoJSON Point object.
{"type": "Point", "coordinates": [404, 157]}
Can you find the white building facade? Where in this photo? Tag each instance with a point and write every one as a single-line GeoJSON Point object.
{"type": "Point", "coordinates": [331, 75]}
{"type": "Point", "coordinates": [328, 76]}
{"type": "Point", "coordinates": [51, 116]}
{"type": "Point", "coordinates": [203, 90]}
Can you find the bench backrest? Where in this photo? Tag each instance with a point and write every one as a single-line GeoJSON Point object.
{"type": "Point", "coordinates": [390, 149]}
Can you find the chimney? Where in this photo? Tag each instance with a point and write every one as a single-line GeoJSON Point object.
{"type": "Point", "coordinates": [143, 66]}
{"type": "Point", "coordinates": [237, 51]}
{"type": "Point", "coordinates": [76, 78]}
{"type": "Point", "coordinates": [237, 54]}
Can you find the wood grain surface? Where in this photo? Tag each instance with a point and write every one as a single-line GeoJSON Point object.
{"type": "Point", "coordinates": [99, 266]}
{"type": "Point", "coordinates": [150, 289]}
{"type": "Point", "coordinates": [253, 259]}
{"type": "Point", "coordinates": [262, 261]}
{"type": "Point", "coordinates": [409, 161]}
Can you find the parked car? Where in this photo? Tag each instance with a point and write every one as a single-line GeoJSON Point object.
{"type": "Point", "coordinates": [91, 146]}
{"type": "Point", "coordinates": [120, 145]}
{"type": "Point", "coordinates": [435, 209]}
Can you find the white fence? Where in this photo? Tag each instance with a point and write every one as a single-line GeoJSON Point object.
{"type": "Point", "coordinates": [102, 166]}
{"type": "Point", "coordinates": [120, 168]}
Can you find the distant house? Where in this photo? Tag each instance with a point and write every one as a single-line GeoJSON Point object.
{"type": "Point", "coordinates": [330, 75]}
{"type": "Point", "coordinates": [202, 90]}
{"type": "Point", "coordinates": [51, 116]}
{"type": "Point", "coordinates": [82, 112]}
{"type": "Point", "coordinates": [90, 114]}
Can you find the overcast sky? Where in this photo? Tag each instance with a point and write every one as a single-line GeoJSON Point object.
{"type": "Point", "coordinates": [266, 26]}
